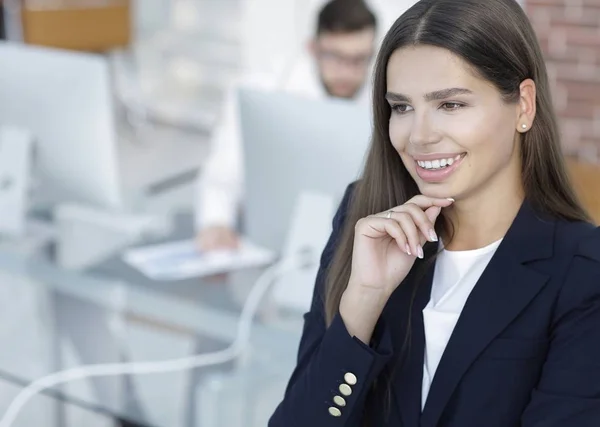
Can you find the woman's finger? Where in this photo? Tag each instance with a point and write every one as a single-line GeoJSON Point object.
{"type": "Point", "coordinates": [422, 221]}
{"type": "Point", "coordinates": [376, 227]}
{"type": "Point", "coordinates": [425, 202]}
{"type": "Point", "coordinates": [411, 231]}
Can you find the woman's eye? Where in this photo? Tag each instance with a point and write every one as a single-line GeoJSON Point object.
{"type": "Point", "coordinates": [449, 106]}
{"type": "Point", "coordinates": [401, 108]}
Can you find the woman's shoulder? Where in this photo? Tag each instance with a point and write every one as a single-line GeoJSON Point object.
{"type": "Point", "coordinates": [589, 245]}
{"type": "Point", "coordinates": [345, 203]}
{"type": "Point", "coordinates": [350, 189]}
{"type": "Point", "coordinates": [577, 246]}
{"type": "Point", "coordinates": [582, 237]}
{"type": "Point", "coordinates": [582, 279]}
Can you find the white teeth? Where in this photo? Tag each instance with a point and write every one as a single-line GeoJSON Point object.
{"type": "Point", "coordinates": [439, 163]}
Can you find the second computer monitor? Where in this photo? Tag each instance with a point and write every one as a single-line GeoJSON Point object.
{"type": "Point", "coordinates": [295, 145]}
{"type": "Point", "coordinates": [64, 100]}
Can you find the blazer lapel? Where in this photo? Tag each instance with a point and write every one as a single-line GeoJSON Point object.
{"type": "Point", "coordinates": [502, 292]}
{"type": "Point", "coordinates": [408, 303]}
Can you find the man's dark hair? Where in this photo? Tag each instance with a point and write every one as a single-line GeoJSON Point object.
{"type": "Point", "coordinates": [345, 16]}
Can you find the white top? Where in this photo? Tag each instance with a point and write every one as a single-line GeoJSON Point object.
{"type": "Point", "coordinates": [455, 276]}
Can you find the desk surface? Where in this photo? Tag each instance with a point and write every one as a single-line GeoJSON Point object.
{"type": "Point", "coordinates": [54, 319]}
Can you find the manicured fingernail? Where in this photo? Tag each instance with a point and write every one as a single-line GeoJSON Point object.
{"type": "Point", "coordinates": [408, 249]}
{"type": "Point", "coordinates": [451, 199]}
{"type": "Point", "coordinates": [420, 252]}
{"type": "Point", "coordinates": [432, 236]}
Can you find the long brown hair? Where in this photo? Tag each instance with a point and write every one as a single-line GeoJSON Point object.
{"type": "Point", "coordinates": [497, 40]}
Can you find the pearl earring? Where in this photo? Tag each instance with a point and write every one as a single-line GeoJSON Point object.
{"type": "Point", "coordinates": [524, 126]}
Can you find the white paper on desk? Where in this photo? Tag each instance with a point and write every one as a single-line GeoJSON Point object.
{"type": "Point", "coordinates": [182, 260]}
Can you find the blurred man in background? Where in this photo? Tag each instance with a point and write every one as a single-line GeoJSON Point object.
{"type": "Point", "coordinates": [337, 65]}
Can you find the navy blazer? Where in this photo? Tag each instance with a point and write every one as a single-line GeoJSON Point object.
{"type": "Point", "coordinates": [525, 351]}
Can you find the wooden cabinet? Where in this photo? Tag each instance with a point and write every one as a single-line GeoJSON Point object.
{"type": "Point", "coordinates": [86, 25]}
{"type": "Point", "coordinates": [586, 180]}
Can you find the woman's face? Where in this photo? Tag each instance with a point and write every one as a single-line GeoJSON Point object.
{"type": "Point", "coordinates": [455, 134]}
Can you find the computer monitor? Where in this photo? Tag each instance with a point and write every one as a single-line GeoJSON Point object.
{"type": "Point", "coordinates": [64, 100]}
{"type": "Point", "coordinates": [295, 146]}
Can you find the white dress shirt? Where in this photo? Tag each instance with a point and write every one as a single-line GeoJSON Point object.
{"type": "Point", "coordinates": [456, 274]}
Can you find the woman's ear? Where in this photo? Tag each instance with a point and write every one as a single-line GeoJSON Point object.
{"type": "Point", "coordinates": [527, 105]}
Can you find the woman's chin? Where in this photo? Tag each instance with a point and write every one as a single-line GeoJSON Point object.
{"type": "Point", "coordinates": [436, 191]}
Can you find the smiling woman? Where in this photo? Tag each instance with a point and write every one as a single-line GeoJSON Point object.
{"type": "Point", "coordinates": [461, 283]}
{"type": "Point", "coordinates": [443, 110]}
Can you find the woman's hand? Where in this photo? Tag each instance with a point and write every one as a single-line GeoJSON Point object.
{"type": "Point", "coordinates": [387, 244]}
{"type": "Point", "coordinates": [385, 248]}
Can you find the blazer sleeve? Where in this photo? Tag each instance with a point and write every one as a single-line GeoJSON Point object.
{"type": "Point", "coordinates": [334, 370]}
{"type": "Point", "coordinates": [568, 393]}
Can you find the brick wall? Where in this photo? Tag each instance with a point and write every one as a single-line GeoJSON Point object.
{"type": "Point", "coordinates": [569, 32]}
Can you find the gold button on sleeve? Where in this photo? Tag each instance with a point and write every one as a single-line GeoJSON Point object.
{"type": "Point", "coordinates": [350, 378]}
{"type": "Point", "coordinates": [345, 389]}
{"type": "Point", "coordinates": [339, 401]}
{"type": "Point", "coordinates": [335, 412]}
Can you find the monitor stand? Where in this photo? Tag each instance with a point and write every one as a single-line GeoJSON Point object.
{"type": "Point", "coordinates": [16, 153]}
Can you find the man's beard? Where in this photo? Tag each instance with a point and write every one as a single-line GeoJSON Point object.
{"type": "Point", "coordinates": [331, 93]}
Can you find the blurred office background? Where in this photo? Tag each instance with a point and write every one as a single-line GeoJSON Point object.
{"type": "Point", "coordinates": [66, 297]}
{"type": "Point", "coordinates": [569, 33]}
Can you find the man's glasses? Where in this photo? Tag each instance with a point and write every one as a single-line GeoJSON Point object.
{"type": "Point", "coordinates": [337, 58]}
